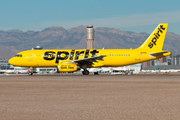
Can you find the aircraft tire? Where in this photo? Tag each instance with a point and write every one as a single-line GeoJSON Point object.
{"type": "Point", "coordinates": [30, 73]}
{"type": "Point", "coordinates": [85, 72]}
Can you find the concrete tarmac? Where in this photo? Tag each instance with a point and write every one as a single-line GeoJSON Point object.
{"type": "Point", "coordinates": [93, 97]}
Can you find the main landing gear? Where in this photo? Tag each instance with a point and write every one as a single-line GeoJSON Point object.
{"type": "Point", "coordinates": [85, 72]}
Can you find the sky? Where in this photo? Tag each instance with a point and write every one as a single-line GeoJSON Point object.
{"type": "Point", "coordinates": [127, 15]}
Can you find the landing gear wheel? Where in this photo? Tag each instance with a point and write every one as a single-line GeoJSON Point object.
{"type": "Point", "coordinates": [30, 73]}
{"type": "Point", "coordinates": [85, 72]}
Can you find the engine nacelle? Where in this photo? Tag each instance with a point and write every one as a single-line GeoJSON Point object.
{"type": "Point", "coordinates": [67, 67]}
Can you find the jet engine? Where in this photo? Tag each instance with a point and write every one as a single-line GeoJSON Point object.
{"type": "Point", "coordinates": [67, 67]}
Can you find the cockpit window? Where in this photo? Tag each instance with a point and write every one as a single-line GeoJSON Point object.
{"type": "Point", "coordinates": [18, 55]}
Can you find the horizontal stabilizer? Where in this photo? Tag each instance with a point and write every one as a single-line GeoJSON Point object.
{"type": "Point", "coordinates": [157, 54]}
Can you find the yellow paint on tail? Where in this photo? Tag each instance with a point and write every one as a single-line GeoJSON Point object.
{"type": "Point", "coordinates": [156, 40]}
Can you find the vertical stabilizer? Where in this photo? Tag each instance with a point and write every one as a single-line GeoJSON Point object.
{"type": "Point", "coordinates": [156, 40]}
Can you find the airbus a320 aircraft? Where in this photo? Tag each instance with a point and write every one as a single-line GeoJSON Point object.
{"type": "Point", "coordinates": [70, 60]}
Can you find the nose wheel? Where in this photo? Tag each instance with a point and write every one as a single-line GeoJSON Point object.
{"type": "Point", "coordinates": [31, 71]}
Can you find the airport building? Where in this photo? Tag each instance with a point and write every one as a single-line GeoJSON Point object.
{"type": "Point", "coordinates": [4, 65]}
{"type": "Point", "coordinates": [136, 68]}
{"type": "Point", "coordinates": [171, 63]}
{"type": "Point", "coordinates": [169, 60]}
{"type": "Point", "coordinates": [168, 68]}
{"type": "Point", "coordinates": [176, 59]}
{"type": "Point", "coordinates": [46, 70]}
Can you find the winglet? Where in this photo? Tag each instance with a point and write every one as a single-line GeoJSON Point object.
{"type": "Point", "coordinates": [156, 40]}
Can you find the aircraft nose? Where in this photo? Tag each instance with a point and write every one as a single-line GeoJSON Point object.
{"type": "Point", "coordinates": [11, 61]}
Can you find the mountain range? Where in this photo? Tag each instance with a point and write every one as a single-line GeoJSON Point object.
{"type": "Point", "coordinates": [14, 41]}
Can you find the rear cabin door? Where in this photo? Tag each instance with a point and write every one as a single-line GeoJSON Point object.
{"type": "Point", "coordinates": [137, 55]}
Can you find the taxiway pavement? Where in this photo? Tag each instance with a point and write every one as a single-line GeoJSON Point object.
{"type": "Point", "coordinates": [93, 97]}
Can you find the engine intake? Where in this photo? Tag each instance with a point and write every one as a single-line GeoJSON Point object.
{"type": "Point", "coordinates": [67, 67]}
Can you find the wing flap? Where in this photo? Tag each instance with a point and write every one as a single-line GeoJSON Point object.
{"type": "Point", "coordinates": [88, 61]}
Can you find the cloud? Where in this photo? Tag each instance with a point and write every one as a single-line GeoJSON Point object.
{"type": "Point", "coordinates": [120, 21]}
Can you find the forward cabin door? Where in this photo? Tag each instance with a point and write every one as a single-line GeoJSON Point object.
{"type": "Point", "coordinates": [137, 55]}
{"type": "Point", "coordinates": [30, 55]}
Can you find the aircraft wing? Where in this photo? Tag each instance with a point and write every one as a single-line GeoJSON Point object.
{"type": "Point", "coordinates": [88, 61]}
{"type": "Point", "coordinates": [159, 53]}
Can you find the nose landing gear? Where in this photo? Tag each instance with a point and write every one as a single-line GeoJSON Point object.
{"type": "Point", "coordinates": [31, 71]}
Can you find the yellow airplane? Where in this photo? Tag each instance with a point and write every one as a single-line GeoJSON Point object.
{"type": "Point", "coordinates": [70, 60]}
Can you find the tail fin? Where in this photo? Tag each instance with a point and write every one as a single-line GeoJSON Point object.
{"type": "Point", "coordinates": [156, 40]}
